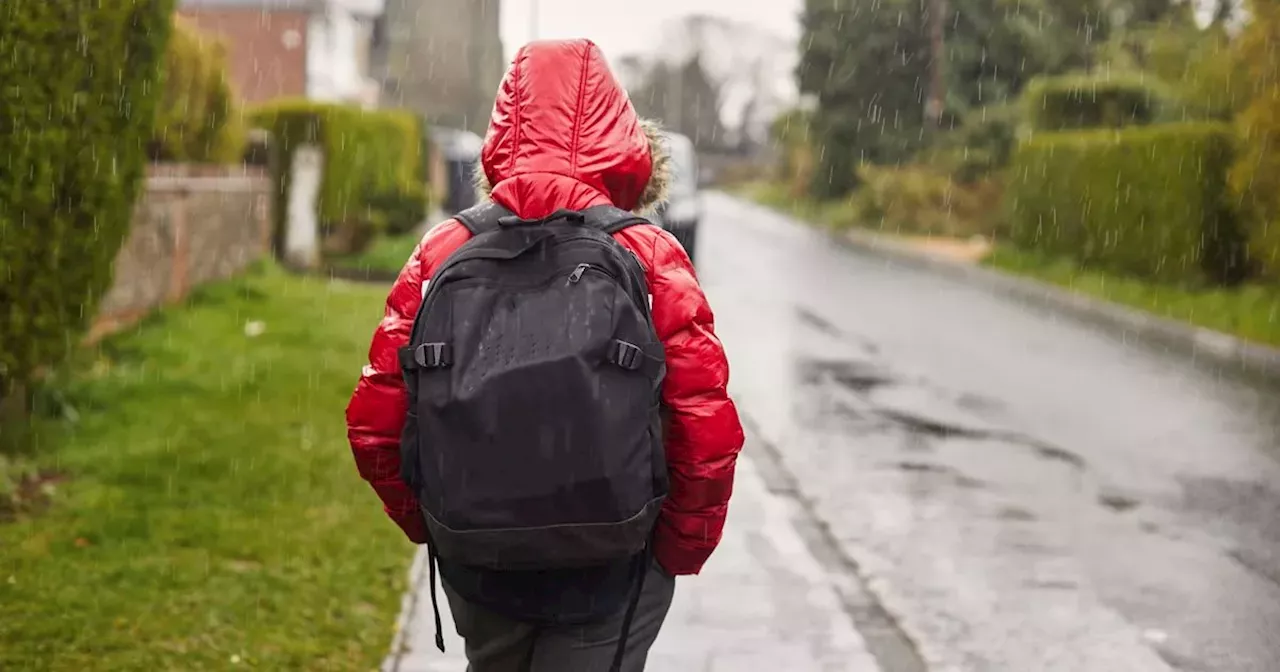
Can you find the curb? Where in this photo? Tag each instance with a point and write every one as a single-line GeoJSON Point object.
{"type": "Point", "coordinates": [408, 611]}
{"type": "Point", "coordinates": [1200, 343]}
{"type": "Point", "coordinates": [887, 641]}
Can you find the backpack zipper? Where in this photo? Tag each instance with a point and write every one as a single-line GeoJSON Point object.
{"type": "Point", "coordinates": [576, 275]}
{"type": "Point", "coordinates": [479, 253]}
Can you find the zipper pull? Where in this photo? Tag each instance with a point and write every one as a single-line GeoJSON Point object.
{"type": "Point", "coordinates": [576, 275]}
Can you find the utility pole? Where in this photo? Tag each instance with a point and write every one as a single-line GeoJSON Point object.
{"type": "Point", "coordinates": [937, 89]}
{"type": "Point", "coordinates": [533, 20]}
{"type": "Point", "coordinates": [677, 119]}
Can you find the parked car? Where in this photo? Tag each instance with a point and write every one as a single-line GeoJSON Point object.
{"type": "Point", "coordinates": [683, 209]}
{"type": "Point", "coordinates": [461, 153]}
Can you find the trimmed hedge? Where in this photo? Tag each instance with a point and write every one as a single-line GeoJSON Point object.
{"type": "Point", "coordinates": [1255, 179]}
{"type": "Point", "coordinates": [372, 180]}
{"type": "Point", "coordinates": [1150, 202]}
{"type": "Point", "coordinates": [197, 118]}
{"type": "Point", "coordinates": [1084, 101]}
{"type": "Point", "coordinates": [77, 98]}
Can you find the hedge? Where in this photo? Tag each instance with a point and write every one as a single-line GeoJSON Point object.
{"type": "Point", "coordinates": [77, 88]}
{"type": "Point", "coordinates": [1084, 101]}
{"type": "Point", "coordinates": [923, 200]}
{"type": "Point", "coordinates": [1150, 202]}
{"type": "Point", "coordinates": [372, 178]}
{"type": "Point", "coordinates": [197, 118]}
{"type": "Point", "coordinates": [1255, 179]}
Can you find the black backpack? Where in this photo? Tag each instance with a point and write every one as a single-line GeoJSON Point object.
{"type": "Point", "coordinates": [533, 440]}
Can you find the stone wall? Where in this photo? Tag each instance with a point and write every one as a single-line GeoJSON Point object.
{"type": "Point", "coordinates": [193, 225]}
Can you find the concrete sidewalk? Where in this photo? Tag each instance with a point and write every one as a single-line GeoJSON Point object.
{"type": "Point", "coordinates": [763, 602]}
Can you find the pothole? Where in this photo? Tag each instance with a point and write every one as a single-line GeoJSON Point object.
{"type": "Point", "coordinates": [1117, 502]}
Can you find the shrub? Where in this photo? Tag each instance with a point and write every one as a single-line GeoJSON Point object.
{"type": "Point", "coordinates": [1194, 70]}
{"type": "Point", "coordinates": [791, 134]}
{"type": "Point", "coordinates": [1195, 64]}
{"type": "Point", "coordinates": [1083, 101]}
{"type": "Point", "coordinates": [918, 200]}
{"type": "Point", "coordinates": [1149, 202]}
{"type": "Point", "coordinates": [197, 118]}
{"type": "Point", "coordinates": [77, 88]}
{"type": "Point", "coordinates": [403, 210]}
{"type": "Point", "coordinates": [372, 166]}
{"type": "Point", "coordinates": [981, 144]}
{"type": "Point", "coordinates": [836, 155]}
{"type": "Point", "coordinates": [1255, 179]}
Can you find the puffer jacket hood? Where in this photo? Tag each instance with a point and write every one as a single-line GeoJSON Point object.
{"type": "Point", "coordinates": [564, 135]}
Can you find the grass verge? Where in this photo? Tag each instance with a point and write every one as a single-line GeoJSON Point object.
{"type": "Point", "coordinates": [915, 200]}
{"type": "Point", "coordinates": [1251, 312]}
{"type": "Point", "coordinates": [212, 516]}
{"type": "Point", "coordinates": [385, 256]}
{"type": "Point", "coordinates": [835, 215]}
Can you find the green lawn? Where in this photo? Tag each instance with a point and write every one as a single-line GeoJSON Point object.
{"type": "Point", "coordinates": [1251, 312]}
{"type": "Point", "coordinates": [211, 517]}
{"type": "Point", "coordinates": [385, 255]}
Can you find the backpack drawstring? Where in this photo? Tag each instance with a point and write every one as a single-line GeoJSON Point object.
{"type": "Point", "coordinates": [641, 570]}
{"type": "Point", "coordinates": [435, 604]}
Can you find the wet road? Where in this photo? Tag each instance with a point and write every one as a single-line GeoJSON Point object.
{"type": "Point", "coordinates": [1021, 491]}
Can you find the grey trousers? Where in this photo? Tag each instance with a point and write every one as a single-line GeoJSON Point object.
{"type": "Point", "coordinates": [497, 644]}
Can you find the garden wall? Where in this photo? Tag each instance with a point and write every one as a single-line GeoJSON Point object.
{"type": "Point", "coordinates": [192, 225]}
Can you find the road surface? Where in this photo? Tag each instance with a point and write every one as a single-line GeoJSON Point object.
{"type": "Point", "coordinates": [1020, 491]}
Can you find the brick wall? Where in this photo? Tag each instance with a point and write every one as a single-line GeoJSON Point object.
{"type": "Point", "coordinates": [266, 50]}
{"type": "Point", "coordinates": [192, 225]}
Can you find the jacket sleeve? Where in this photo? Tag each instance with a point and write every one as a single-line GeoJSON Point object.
{"type": "Point", "coordinates": [704, 434]}
{"type": "Point", "coordinates": [376, 413]}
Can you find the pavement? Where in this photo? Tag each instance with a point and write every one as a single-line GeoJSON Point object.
{"type": "Point", "coordinates": [997, 483]}
{"type": "Point", "coordinates": [763, 602]}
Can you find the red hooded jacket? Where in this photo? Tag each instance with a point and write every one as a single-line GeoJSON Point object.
{"type": "Point", "coordinates": [564, 135]}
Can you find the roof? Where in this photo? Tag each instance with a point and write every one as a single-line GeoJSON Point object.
{"type": "Point", "coordinates": [364, 7]}
{"type": "Point", "coordinates": [255, 4]}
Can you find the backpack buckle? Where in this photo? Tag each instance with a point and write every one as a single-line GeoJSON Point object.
{"type": "Point", "coordinates": [433, 355]}
{"type": "Point", "coordinates": [626, 355]}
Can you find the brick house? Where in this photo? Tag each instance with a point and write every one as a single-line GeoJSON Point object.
{"type": "Point", "coordinates": [317, 49]}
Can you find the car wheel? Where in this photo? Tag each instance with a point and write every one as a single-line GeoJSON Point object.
{"type": "Point", "coordinates": [685, 236]}
{"type": "Point", "coordinates": [689, 240]}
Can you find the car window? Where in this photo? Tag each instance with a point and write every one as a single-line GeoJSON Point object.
{"type": "Point", "coordinates": [684, 167]}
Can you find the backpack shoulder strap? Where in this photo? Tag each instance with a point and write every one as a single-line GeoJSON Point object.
{"type": "Point", "coordinates": [483, 217]}
{"type": "Point", "coordinates": [610, 219]}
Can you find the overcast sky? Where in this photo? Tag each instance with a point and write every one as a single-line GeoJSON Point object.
{"type": "Point", "coordinates": [628, 26]}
